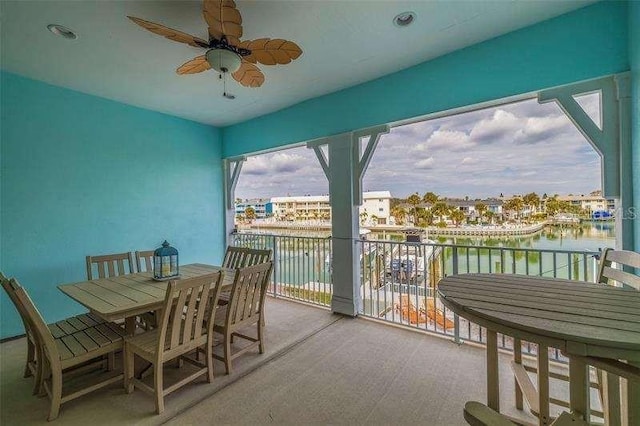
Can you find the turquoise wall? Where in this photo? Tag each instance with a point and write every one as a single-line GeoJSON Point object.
{"type": "Point", "coordinates": [583, 44]}
{"type": "Point", "coordinates": [634, 58]}
{"type": "Point", "coordinates": [83, 175]}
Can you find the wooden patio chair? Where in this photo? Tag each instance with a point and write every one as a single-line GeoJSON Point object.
{"type": "Point", "coordinates": [185, 326]}
{"type": "Point", "coordinates": [615, 269]}
{"type": "Point", "coordinates": [245, 308]}
{"type": "Point", "coordinates": [241, 257]}
{"type": "Point", "coordinates": [144, 257]}
{"type": "Point", "coordinates": [477, 414]}
{"type": "Point", "coordinates": [58, 329]}
{"type": "Point", "coordinates": [110, 261]}
{"type": "Point", "coordinates": [147, 320]}
{"type": "Point", "coordinates": [68, 352]}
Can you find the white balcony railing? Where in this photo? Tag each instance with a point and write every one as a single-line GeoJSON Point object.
{"type": "Point", "coordinates": [399, 279]}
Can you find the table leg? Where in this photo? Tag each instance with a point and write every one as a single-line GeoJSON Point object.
{"type": "Point", "coordinates": [543, 384]}
{"type": "Point", "coordinates": [130, 326]}
{"type": "Point", "coordinates": [579, 388]}
{"type": "Point", "coordinates": [493, 376]}
{"type": "Point", "coordinates": [633, 399]}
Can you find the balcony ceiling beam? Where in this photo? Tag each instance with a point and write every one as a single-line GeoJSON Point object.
{"type": "Point", "coordinates": [231, 168]}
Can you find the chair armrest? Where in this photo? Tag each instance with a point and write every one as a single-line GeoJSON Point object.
{"type": "Point", "coordinates": [477, 414]}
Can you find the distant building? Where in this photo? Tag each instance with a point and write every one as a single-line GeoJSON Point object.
{"type": "Point", "coordinates": [468, 207]}
{"type": "Point", "coordinates": [262, 207]}
{"type": "Point", "coordinates": [593, 202]}
{"type": "Point", "coordinates": [375, 207]}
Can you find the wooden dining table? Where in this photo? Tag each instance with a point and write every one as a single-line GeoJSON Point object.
{"type": "Point", "coordinates": [592, 324]}
{"type": "Point", "coordinates": [129, 295]}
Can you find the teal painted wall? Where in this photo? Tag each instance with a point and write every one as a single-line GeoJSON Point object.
{"type": "Point", "coordinates": [83, 175]}
{"type": "Point", "coordinates": [583, 44]}
{"type": "Point", "coordinates": [634, 58]}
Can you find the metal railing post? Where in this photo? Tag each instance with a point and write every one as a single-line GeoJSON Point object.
{"type": "Point", "coordinates": [276, 266]}
{"type": "Point", "coordinates": [456, 318]}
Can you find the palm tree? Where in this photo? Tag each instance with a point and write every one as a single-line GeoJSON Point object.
{"type": "Point", "coordinates": [430, 197]}
{"type": "Point", "coordinates": [440, 209]}
{"type": "Point", "coordinates": [399, 215]}
{"type": "Point", "coordinates": [532, 200]}
{"type": "Point", "coordinates": [249, 213]}
{"type": "Point", "coordinates": [481, 208]}
{"type": "Point", "coordinates": [414, 200]}
{"type": "Point", "coordinates": [457, 216]}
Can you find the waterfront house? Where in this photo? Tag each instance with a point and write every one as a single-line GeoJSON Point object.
{"type": "Point", "coordinates": [105, 149]}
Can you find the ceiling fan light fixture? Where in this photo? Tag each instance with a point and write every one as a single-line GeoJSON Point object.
{"type": "Point", "coordinates": [223, 60]}
{"type": "Point", "coordinates": [404, 19]}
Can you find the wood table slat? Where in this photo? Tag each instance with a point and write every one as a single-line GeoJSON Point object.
{"type": "Point", "coordinates": [539, 297]}
{"type": "Point", "coordinates": [583, 314]}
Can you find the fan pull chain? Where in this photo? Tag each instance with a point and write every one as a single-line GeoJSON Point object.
{"type": "Point", "coordinates": [223, 76]}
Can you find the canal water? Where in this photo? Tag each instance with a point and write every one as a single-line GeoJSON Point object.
{"type": "Point", "coordinates": [303, 261]}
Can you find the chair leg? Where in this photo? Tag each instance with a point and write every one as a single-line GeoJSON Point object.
{"type": "Point", "coordinates": [129, 366]}
{"type": "Point", "coordinates": [30, 357]}
{"type": "Point", "coordinates": [157, 385]}
{"type": "Point", "coordinates": [227, 352]}
{"type": "Point", "coordinates": [56, 394]}
{"type": "Point", "coordinates": [37, 384]}
{"type": "Point", "coordinates": [209, 355]}
{"type": "Point", "coordinates": [261, 335]}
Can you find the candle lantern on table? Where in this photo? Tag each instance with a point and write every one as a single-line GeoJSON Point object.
{"type": "Point", "coordinates": [165, 262]}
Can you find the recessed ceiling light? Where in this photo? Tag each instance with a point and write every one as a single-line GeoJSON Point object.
{"type": "Point", "coordinates": [61, 31]}
{"type": "Point", "coordinates": [403, 19]}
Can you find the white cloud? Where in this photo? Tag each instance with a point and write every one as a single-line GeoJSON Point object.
{"type": "Point", "coordinates": [427, 163]}
{"type": "Point", "coordinates": [515, 148]}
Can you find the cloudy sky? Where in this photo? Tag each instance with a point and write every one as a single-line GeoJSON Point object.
{"type": "Point", "coordinates": [510, 149]}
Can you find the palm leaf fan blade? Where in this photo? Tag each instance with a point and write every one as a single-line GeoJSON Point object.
{"type": "Point", "coordinates": [194, 66]}
{"type": "Point", "coordinates": [169, 33]}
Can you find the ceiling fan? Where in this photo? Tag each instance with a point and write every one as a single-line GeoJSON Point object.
{"type": "Point", "coordinates": [225, 52]}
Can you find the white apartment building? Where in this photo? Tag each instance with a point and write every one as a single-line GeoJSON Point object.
{"type": "Point", "coordinates": [376, 205]}
{"type": "Point", "coordinates": [592, 203]}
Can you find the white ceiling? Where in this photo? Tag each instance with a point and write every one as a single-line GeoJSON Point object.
{"type": "Point", "coordinates": [344, 42]}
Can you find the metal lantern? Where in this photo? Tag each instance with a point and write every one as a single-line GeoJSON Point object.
{"type": "Point", "coordinates": [165, 262]}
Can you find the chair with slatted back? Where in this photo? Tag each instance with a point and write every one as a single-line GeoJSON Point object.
{"type": "Point", "coordinates": [144, 257]}
{"type": "Point", "coordinates": [617, 269]}
{"type": "Point", "coordinates": [241, 257]}
{"type": "Point", "coordinates": [68, 352]}
{"type": "Point", "coordinates": [144, 263]}
{"type": "Point", "coordinates": [58, 329]}
{"type": "Point", "coordinates": [186, 325]}
{"type": "Point", "coordinates": [245, 308]}
{"type": "Point", "coordinates": [123, 261]}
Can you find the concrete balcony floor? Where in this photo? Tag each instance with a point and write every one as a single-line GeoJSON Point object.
{"type": "Point", "coordinates": [318, 368]}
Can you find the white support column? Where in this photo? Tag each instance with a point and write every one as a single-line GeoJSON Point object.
{"type": "Point", "coordinates": [344, 227]}
{"type": "Point", "coordinates": [231, 169]}
{"type": "Point", "coordinates": [624, 219]}
{"type": "Point", "coordinates": [345, 169]}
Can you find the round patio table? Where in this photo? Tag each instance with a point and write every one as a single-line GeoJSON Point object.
{"type": "Point", "coordinates": [592, 324]}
